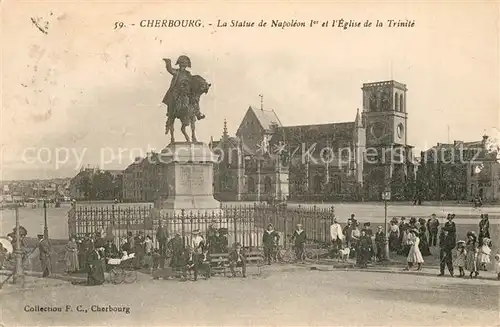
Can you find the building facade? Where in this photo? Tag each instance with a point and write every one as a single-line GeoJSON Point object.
{"type": "Point", "coordinates": [460, 171]}
{"type": "Point", "coordinates": [142, 180]}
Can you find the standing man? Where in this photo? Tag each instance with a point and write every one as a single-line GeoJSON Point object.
{"type": "Point", "coordinates": [336, 236]}
{"type": "Point", "coordinates": [450, 227]}
{"type": "Point", "coordinates": [484, 228]}
{"type": "Point", "coordinates": [162, 238]}
{"type": "Point", "coordinates": [446, 243]}
{"type": "Point", "coordinates": [45, 255]}
{"type": "Point", "coordinates": [347, 231]}
{"type": "Point", "coordinates": [299, 237]}
{"type": "Point", "coordinates": [270, 240]}
{"type": "Point", "coordinates": [433, 227]}
{"type": "Point", "coordinates": [380, 243]}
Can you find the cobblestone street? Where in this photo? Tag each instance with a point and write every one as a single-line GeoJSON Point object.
{"type": "Point", "coordinates": [284, 295]}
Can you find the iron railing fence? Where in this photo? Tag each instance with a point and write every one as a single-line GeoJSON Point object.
{"type": "Point", "coordinates": [241, 223]}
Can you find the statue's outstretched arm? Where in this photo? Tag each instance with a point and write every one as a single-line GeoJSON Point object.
{"type": "Point", "coordinates": [168, 65]}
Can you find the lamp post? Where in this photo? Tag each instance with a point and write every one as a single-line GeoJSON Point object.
{"type": "Point", "coordinates": [45, 227]}
{"type": "Point", "coordinates": [18, 277]}
{"type": "Point", "coordinates": [386, 196]}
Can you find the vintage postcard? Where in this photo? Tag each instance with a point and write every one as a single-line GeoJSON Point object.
{"type": "Point", "coordinates": [168, 163]}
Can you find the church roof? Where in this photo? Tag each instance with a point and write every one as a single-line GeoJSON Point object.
{"type": "Point", "coordinates": [311, 133]}
{"type": "Point", "coordinates": [266, 118]}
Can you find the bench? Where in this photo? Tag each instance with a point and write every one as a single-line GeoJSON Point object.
{"type": "Point", "coordinates": [219, 263]}
{"type": "Point", "coordinates": [256, 258]}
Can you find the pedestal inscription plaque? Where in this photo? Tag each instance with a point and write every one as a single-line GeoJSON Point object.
{"type": "Point", "coordinates": [189, 177]}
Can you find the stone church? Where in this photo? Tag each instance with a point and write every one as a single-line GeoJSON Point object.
{"type": "Point", "coordinates": [348, 161]}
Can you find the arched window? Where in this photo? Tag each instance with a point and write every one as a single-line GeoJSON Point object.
{"type": "Point", "coordinates": [267, 184]}
{"type": "Point", "coordinates": [251, 185]}
{"type": "Point", "coordinates": [401, 104]}
{"type": "Point", "coordinates": [396, 102]}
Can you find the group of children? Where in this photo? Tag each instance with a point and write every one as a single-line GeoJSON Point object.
{"type": "Point", "coordinates": [474, 258]}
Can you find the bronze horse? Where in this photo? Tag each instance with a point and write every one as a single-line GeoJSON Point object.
{"type": "Point", "coordinates": [186, 114]}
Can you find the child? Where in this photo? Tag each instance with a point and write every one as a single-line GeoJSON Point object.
{"type": "Point", "coordinates": [497, 265]}
{"type": "Point", "coordinates": [156, 259]}
{"type": "Point", "coordinates": [205, 265]}
{"type": "Point", "coordinates": [460, 259]}
{"type": "Point", "coordinates": [484, 254]}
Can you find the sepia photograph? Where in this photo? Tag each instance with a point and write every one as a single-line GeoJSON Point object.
{"type": "Point", "coordinates": [168, 163]}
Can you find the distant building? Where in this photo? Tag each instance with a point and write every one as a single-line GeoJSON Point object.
{"type": "Point", "coordinates": [460, 171]}
{"type": "Point", "coordinates": [142, 180]}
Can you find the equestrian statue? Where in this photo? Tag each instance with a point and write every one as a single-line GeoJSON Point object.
{"type": "Point", "coordinates": [183, 98]}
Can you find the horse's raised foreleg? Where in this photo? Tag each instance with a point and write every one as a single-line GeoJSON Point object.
{"type": "Point", "coordinates": [193, 131]}
{"type": "Point", "coordinates": [183, 130]}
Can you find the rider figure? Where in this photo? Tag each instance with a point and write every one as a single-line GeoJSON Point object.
{"type": "Point", "coordinates": [178, 95]}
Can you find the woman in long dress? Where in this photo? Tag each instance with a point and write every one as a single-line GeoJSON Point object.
{"type": "Point", "coordinates": [414, 254]}
{"type": "Point", "coordinates": [472, 254]}
{"type": "Point", "coordinates": [424, 244]}
{"type": "Point", "coordinates": [71, 256]}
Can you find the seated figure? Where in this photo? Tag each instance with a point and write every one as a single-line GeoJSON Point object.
{"type": "Point", "coordinates": [237, 259]}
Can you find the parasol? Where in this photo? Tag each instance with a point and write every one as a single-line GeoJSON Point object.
{"type": "Point", "coordinates": [7, 244]}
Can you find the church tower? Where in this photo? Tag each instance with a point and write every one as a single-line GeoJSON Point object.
{"type": "Point", "coordinates": [388, 162]}
{"type": "Point", "coordinates": [384, 110]}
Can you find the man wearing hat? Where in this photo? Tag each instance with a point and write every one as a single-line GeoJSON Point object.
{"type": "Point", "coordinates": [45, 255]}
{"type": "Point", "coordinates": [433, 228]}
{"type": "Point", "coordinates": [162, 238]}
{"type": "Point", "coordinates": [450, 227]}
{"type": "Point", "coordinates": [446, 244]}
{"type": "Point", "coordinates": [336, 236]}
{"type": "Point", "coordinates": [270, 240]}
{"type": "Point", "coordinates": [175, 246]}
{"type": "Point", "coordinates": [237, 259]}
{"type": "Point", "coordinates": [299, 238]}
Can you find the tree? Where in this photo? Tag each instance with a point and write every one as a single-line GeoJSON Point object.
{"type": "Point", "coordinates": [85, 186]}
{"type": "Point", "coordinates": [102, 185]}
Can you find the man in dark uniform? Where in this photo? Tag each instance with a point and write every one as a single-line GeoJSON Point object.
{"type": "Point", "coordinates": [270, 240]}
{"type": "Point", "coordinates": [446, 243]}
{"type": "Point", "coordinates": [45, 255]}
{"type": "Point", "coordinates": [347, 231]}
{"type": "Point", "coordinates": [299, 237]}
{"type": "Point", "coordinates": [162, 238]}
{"type": "Point", "coordinates": [433, 227]}
{"type": "Point", "coordinates": [380, 241]}
{"type": "Point", "coordinates": [176, 248]}
{"type": "Point", "coordinates": [450, 227]}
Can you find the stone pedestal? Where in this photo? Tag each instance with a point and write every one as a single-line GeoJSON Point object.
{"type": "Point", "coordinates": [188, 173]}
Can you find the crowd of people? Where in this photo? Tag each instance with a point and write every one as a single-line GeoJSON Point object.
{"type": "Point", "coordinates": [411, 238]}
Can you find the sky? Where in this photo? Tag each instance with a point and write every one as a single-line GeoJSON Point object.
{"type": "Point", "coordinates": [84, 93]}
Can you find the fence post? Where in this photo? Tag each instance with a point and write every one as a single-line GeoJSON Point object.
{"type": "Point", "coordinates": [235, 227]}
{"type": "Point", "coordinates": [183, 230]}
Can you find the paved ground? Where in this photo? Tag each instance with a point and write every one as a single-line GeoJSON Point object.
{"type": "Point", "coordinates": [297, 296]}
